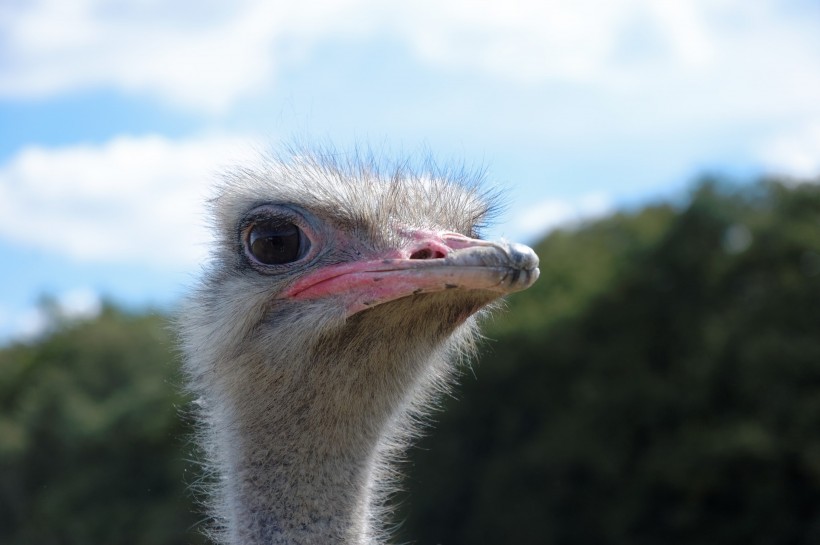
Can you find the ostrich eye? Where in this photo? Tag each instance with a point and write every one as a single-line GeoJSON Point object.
{"type": "Point", "coordinates": [275, 242]}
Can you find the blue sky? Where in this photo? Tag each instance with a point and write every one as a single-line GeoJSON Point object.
{"type": "Point", "coordinates": [113, 119]}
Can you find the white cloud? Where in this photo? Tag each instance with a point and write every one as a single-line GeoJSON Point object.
{"type": "Point", "coordinates": [724, 57]}
{"type": "Point", "coordinates": [30, 323]}
{"type": "Point", "coordinates": [130, 200]}
{"type": "Point", "coordinates": [192, 54]}
{"type": "Point", "coordinates": [79, 304]}
{"type": "Point", "coordinates": [795, 153]}
{"type": "Point", "coordinates": [539, 218]}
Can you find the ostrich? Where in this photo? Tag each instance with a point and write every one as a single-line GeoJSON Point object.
{"type": "Point", "coordinates": [339, 297]}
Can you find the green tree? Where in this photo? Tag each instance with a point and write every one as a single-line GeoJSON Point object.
{"type": "Point", "coordinates": [92, 447]}
{"type": "Point", "coordinates": [660, 384]}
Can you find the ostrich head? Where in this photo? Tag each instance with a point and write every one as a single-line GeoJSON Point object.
{"type": "Point", "coordinates": [337, 299]}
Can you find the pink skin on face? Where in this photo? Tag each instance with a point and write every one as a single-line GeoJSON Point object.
{"type": "Point", "coordinates": [430, 262]}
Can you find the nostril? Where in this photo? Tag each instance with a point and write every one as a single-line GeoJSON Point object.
{"type": "Point", "coordinates": [427, 253]}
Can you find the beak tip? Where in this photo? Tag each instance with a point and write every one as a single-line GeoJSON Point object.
{"type": "Point", "coordinates": [523, 257]}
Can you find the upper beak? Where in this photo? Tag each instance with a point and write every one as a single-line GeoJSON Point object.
{"type": "Point", "coordinates": [435, 262]}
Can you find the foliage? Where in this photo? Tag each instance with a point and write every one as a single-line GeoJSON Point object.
{"type": "Point", "coordinates": [91, 443]}
{"type": "Point", "coordinates": [659, 384]}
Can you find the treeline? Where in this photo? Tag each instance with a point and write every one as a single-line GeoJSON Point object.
{"type": "Point", "coordinates": [659, 384]}
{"type": "Point", "coordinates": [92, 446]}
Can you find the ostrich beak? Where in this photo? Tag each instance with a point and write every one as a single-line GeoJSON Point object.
{"type": "Point", "coordinates": [433, 262]}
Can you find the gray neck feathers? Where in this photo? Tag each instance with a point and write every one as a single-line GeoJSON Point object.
{"type": "Point", "coordinates": [302, 417]}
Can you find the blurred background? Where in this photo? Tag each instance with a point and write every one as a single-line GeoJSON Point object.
{"type": "Point", "coordinates": [660, 383]}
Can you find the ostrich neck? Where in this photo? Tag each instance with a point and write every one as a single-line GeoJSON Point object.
{"type": "Point", "coordinates": [305, 494]}
{"type": "Point", "coordinates": [304, 449]}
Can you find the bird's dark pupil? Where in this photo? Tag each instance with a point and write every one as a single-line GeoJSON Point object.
{"type": "Point", "coordinates": [274, 242]}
